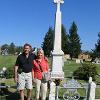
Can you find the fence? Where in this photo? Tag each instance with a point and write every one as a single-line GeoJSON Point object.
{"type": "Point", "coordinates": [73, 90]}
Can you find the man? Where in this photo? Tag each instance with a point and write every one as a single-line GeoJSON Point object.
{"type": "Point", "coordinates": [22, 71]}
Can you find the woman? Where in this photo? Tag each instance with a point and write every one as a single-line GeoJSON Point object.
{"type": "Point", "coordinates": [40, 66]}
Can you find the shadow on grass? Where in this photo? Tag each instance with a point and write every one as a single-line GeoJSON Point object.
{"type": "Point", "coordinates": [5, 94]}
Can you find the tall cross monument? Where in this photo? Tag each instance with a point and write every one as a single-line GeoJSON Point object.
{"type": "Point", "coordinates": [57, 61]}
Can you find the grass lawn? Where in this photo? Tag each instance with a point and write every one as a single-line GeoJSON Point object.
{"type": "Point", "coordinates": [69, 67]}
{"type": "Point", "coordinates": [7, 61]}
{"type": "Point", "coordinates": [98, 68]}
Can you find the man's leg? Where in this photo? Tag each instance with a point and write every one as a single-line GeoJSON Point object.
{"type": "Point", "coordinates": [29, 94]}
{"type": "Point", "coordinates": [21, 85]}
{"type": "Point", "coordinates": [22, 94]}
{"type": "Point", "coordinates": [28, 78]}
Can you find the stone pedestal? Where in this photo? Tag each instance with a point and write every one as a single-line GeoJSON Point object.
{"type": "Point", "coordinates": [57, 63]}
{"type": "Point", "coordinates": [91, 91]}
{"type": "Point", "coordinates": [52, 91]}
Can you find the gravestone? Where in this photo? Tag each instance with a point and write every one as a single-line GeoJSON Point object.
{"type": "Point", "coordinates": [78, 61]}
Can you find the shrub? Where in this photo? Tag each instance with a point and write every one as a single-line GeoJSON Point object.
{"type": "Point", "coordinates": [9, 73]}
{"type": "Point", "coordinates": [85, 71]}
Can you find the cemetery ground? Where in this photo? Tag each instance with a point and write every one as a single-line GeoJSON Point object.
{"type": "Point", "coordinates": [69, 68]}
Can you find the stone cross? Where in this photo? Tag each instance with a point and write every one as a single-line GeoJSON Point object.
{"type": "Point", "coordinates": [58, 1]}
{"type": "Point", "coordinates": [58, 4]}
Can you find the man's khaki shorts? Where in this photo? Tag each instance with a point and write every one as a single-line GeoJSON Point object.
{"type": "Point", "coordinates": [24, 81]}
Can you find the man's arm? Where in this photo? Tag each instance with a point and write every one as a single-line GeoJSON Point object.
{"type": "Point", "coordinates": [17, 64]}
{"type": "Point", "coordinates": [15, 73]}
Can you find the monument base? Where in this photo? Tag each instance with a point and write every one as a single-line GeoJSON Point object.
{"type": "Point", "coordinates": [57, 75]}
{"type": "Point", "coordinates": [57, 64]}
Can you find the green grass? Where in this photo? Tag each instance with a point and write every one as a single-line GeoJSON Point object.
{"type": "Point", "coordinates": [7, 61]}
{"type": "Point", "coordinates": [81, 92]}
{"type": "Point", "coordinates": [69, 68]}
{"type": "Point", "coordinates": [98, 68]}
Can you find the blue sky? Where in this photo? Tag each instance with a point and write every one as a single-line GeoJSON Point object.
{"type": "Point", "coordinates": [24, 21]}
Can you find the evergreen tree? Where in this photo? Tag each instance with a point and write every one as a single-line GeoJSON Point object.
{"type": "Point", "coordinates": [19, 49]}
{"type": "Point", "coordinates": [97, 47]}
{"type": "Point", "coordinates": [4, 49]}
{"type": "Point", "coordinates": [47, 45]}
{"type": "Point", "coordinates": [12, 48]}
{"type": "Point", "coordinates": [65, 43]}
{"type": "Point", "coordinates": [5, 46]}
{"type": "Point", "coordinates": [74, 41]}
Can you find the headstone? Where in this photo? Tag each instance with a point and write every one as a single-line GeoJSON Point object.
{"type": "Point", "coordinates": [98, 61]}
{"type": "Point", "coordinates": [4, 69]}
{"type": "Point", "coordinates": [68, 56]}
{"type": "Point", "coordinates": [78, 61]}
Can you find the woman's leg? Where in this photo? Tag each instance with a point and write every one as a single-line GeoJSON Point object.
{"type": "Point", "coordinates": [44, 90]}
{"type": "Point", "coordinates": [37, 86]}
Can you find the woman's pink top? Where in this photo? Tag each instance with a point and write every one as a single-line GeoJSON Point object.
{"type": "Point", "coordinates": [36, 71]}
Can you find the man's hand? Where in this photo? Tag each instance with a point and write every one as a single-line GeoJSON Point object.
{"type": "Point", "coordinates": [34, 80]}
{"type": "Point", "coordinates": [16, 78]}
{"type": "Point", "coordinates": [15, 74]}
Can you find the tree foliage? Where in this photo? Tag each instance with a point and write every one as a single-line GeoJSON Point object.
{"type": "Point", "coordinates": [5, 46]}
{"type": "Point", "coordinates": [85, 71]}
{"type": "Point", "coordinates": [47, 44]}
{"type": "Point", "coordinates": [74, 41]}
{"type": "Point", "coordinates": [65, 43]}
{"type": "Point", "coordinates": [70, 42]}
{"type": "Point", "coordinates": [19, 49]}
{"type": "Point", "coordinates": [97, 47]}
{"type": "Point", "coordinates": [11, 49]}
